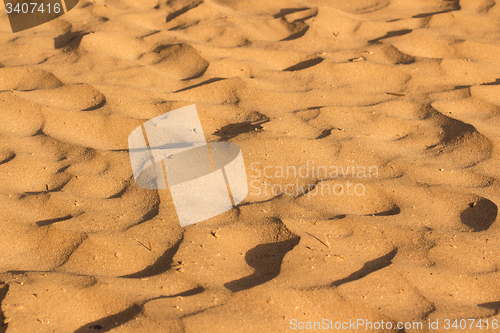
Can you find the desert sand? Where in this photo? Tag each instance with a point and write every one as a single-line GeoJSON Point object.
{"type": "Point", "coordinates": [370, 135]}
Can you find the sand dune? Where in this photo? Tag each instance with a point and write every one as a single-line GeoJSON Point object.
{"type": "Point", "coordinates": [369, 131]}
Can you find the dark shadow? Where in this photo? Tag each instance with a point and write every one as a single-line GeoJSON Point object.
{"type": "Point", "coordinates": [325, 133]}
{"type": "Point", "coordinates": [119, 194]}
{"type": "Point", "coordinates": [479, 215]}
{"type": "Point", "coordinates": [63, 168]}
{"type": "Point", "coordinates": [430, 14]}
{"type": "Point", "coordinates": [8, 159]}
{"type": "Point", "coordinates": [164, 47]}
{"type": "Point", "coordinates": [393, 211]}
{"type": "Point", "coordinates": [368, 268]}
{"type": "Point", "coordinates": [151, 33]}
{"type": "Point", "coordinates": [266, 260]}
{"type": "Point", "coordinates": [163, 264]}
{"type": "Point", "coordinates": [152, 213]}
{"type": "Point", "coordinates": [391, 34]}
{"type": "Point", "coordinates": [490, 305]}
{"type": "Point", "coordinates": [95, 107]}
{"type": "Point", "coordinates": [230, 131]}
{"type": "Point", "coordinates": [296, 35]}
{"type": "Point", "coordinates": [190, 292]}
{"type": "Point", "coordinates": [183, 10]}
{"type": "Point", "coordinates": [302, 19]}
{"type": "Point", "coordinates": [304, 65]}
{"type": "Point", "coordinates": [179, 27]}
{"type": "Point", "coordinates": [461, 87]}
{"type": "Point", "coordinates": [197, 75]}
{"type": "Point", "coordinates": [71, 39]}
{"type": "Point", "coordinates": [70, 4]}
{"type": "Point", "coordinates": [496, 83]}
{"type": "Point", "coordinates": [395, 94]}
{"type": "Point", "coordinates": [55, 189]}
{"type": "Point", "coordinates": [165, 146]}
{"type": "Point", "coordinates": [3, 293]}
{"type": "Point", "coordinates": [286, 11]}
{"type": "Point", "coordinates": [44, 223]}
{"type": "Point", "coordinates": [212, 80]}
{"type": "Point", "coordinates": [108, 323]}
{"type": "Point", "coordinates": [455, 8]}
{"type": "Point", "coordinates": [19, 272]}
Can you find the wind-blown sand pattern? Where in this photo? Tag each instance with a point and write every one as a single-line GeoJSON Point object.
{"type": "Point", "coordinates": [410, 87]}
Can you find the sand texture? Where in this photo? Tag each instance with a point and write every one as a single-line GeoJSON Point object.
{"type": "Point", "coordinates": [401, 97]}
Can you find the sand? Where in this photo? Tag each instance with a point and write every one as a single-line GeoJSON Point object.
{"type": "Point", "coordinates": [369, 131]}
